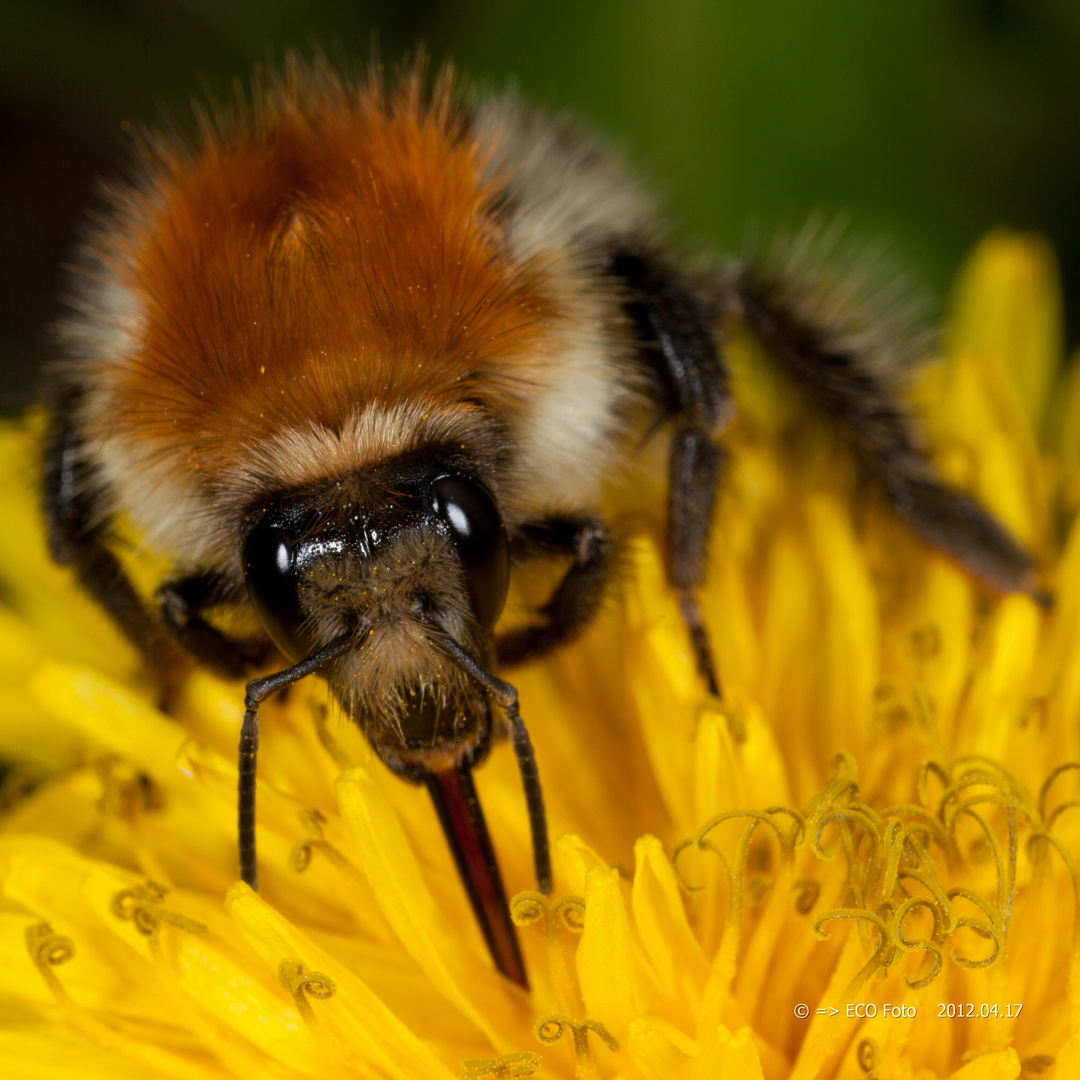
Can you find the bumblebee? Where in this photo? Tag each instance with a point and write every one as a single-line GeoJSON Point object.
{"type": "Point", "coordinates": [361, 352]}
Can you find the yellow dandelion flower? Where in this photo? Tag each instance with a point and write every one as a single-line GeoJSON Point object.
{"type": "Point", "coordinates": [862, 863]}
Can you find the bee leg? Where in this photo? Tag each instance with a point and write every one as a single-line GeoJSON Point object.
{"type": "Point", "coordinates": [183, 603]}
{"type": "Point", "coordinates": [78, 531]}
{"type": "Point", "coordinates": [676, 337]}
{"type": "Point", "coordinates": [258, 690]}
{"type": "Point", "coordinates": [578, 595]}
{"type": "Point", "coordinates": [851, 383]}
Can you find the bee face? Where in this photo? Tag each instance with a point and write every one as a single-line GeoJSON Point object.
{"type": "Point", "coordinates": [395, 557]}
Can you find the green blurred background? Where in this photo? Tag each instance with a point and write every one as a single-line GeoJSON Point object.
{"type": "Point", "coordinates": [926, 121]}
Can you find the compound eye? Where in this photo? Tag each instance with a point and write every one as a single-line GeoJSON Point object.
{"type": "Point", "coordinates": [273, 587]}
{"type": "Point", "coordinates": [479, 535]}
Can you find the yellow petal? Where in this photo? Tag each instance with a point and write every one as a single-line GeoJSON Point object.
{"type": "Point", "coordinates": [680, 966]}
{"type": "Point", "coordinates": [726, 1054]}
{"type": "Point", "coordinates": [428, 933]}
{"type": "Point", "coordinates": [1008, 304]}
{"type": "Point", "coordinates": [851, 629]}
{"type": "Point", "coordinates": [661, 1051]}
{"type": "Point", "coordinates": [575, 859]}
{"type": "Point", "coordinates": [1067, 1062]}
{"type": "Point", "coordinates": [999, 1065]}
{"type": "Point", "coordinates": [351, 1024]}
{"type": "Point", "coordinates": [604, 961]}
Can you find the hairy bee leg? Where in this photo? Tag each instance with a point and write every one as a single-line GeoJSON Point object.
{"type": "Point", "coordinates": [696, 466]}
{"type": "Point", "coordinates": [78, 530]}
{"type": "Point", "coordinates": [258, 690]}
{"type": "Point", "coordinates": [676, 335]}
{"type": "Point", "coordinates": [576, 598]}
{"type": "Point", "coordinates": [182, 605]}
{"type": "Point", "coordinates": [846, 385]}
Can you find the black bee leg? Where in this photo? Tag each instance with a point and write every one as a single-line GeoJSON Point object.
{"type": "Point", "coordinates": [696, 464]}
{"type": "Point", "coordinates": [676, 336]}
{"type": "Point", "coordinates": [847, 376]}
{"type": "Point", "coordinates": [576, 598]}
{"type": "Point", "coordinates": [183, 603]}
{"type": "Point", "coordinates": [258, 690]}
{"type": "Point", "coordinates": [78, 534]}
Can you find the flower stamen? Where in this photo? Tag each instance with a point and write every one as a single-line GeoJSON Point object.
{"type": "Point", "coordinates": [522, 1063]}
{"type": "Point", "coordinates": [549, 1029]}
{"type": "Point", "coordinates": [868, 1056]}
{"type": "Point", "coordinates": [300, 856]}
{"type": "Point", "coordinates": [303, 985]}
{"type": "Point", "coordinates": [530, 908]}
{"type": "Point", "coordinates": [47, 950]}
{"type": "Point", "coordinates": [142, 906]}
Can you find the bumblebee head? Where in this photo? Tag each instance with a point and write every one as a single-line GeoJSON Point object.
{"type": "Point", "coordinates": [402, 556]}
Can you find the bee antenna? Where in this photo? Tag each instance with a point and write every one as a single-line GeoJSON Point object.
{"type": "Point", "coordinates": [258, 690]}
{"type": "Point", "coordinates": [507, 696]}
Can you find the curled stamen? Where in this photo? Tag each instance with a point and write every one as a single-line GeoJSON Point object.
{"type": "Point", "coordinates": [857, 813]}
{"type": "Point", "coordinates": [846, 760]}
{"type": "Point", "coordinates": [925, 823]}
{"type": "Point", "coordinates": [831, 794]}
{"type": "Point", "coordinates": [932, 946]}
{"type": "Point", "coordinates": [523, 1063]}
{"type": "Point", "coordinates": [1006, 867]}
{"type": "Point", "coordinates": [320, 714]}
{"type": "Point", "coordinates": [848, 913]}
{"type": "Point", "coordinates": [868, 1056]}
{"type": "Point", "coordinates": [922, 785]}
{"type": "Point", "coordinates": [47, 950]}
{"type": "Point", "coordinates": [858, 886]}
{"type": "Point", "coordinates": [142, 906]}
{"type": "Point", "coordinates": [883, 955]}
{"type": "Point", "coordinates": [1010, 792]}
{"type": "Point", "coordinates": [571, 913]}
{"type": "Point", "coordinates": [939, 898]}
{"type": "Point", "coordinates": [549, 1029]}
{"type": "Point", "coordinates": [983, 930]}
{"type": "Point", "coordinates": [48, 947]}
{"type": "Point", "coordinates": [304, 984]}
{"type": "Point", "coordinates": [893, 847]}
{"type": "Point", "coordinates": [1071, 804]}
{"type": "Point", "coordinates": [988, 928]}
{"type": "Point", "coordinates": [756, 817]}
{"type": "Point", "coordinates": [125, 901]}
{"type": "Point", "coordinates": [736, 871]}
{"type": "Point", "coordinates": [300, 856]}
{"type": "Point", "coordinates": [790, 842]}
{"type": "Point", "coordinates": [1044, 794]}
{"type": "Point", "coordinates": [1074, 873]}
{"type": "Point", "coordinates": [995, 768]}
{"type": "Point", "coordinates": [126, 792]}
{"type": "Point", "coordinates": [531, 908]}
{"type": "Point", "coordinates": [680, 878]}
